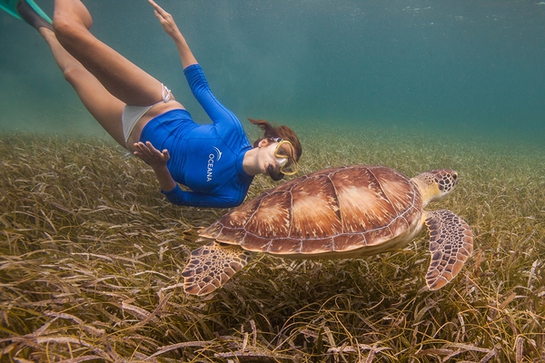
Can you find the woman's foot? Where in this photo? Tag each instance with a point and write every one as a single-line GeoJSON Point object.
{"type": "Point", "coordinates": [31, 16]}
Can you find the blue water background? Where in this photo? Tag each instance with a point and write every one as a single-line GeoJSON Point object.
{"type": "Point", "coordinates": [467, 68]}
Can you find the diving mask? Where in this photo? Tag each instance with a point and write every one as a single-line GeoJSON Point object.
{"type": "Point", "coordinates": [284, 153]}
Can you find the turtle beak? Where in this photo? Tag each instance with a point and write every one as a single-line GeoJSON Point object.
{"type": "Point", "coordinates": [275, 175]}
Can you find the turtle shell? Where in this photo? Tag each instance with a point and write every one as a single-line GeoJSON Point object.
{"type": "Point", "coordinates": [329, 211]}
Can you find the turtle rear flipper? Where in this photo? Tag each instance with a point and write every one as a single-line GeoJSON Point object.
{"type": "Point", "coordinates": [451, 244]}
{"type": "Point", "coordinates": [213, 265]}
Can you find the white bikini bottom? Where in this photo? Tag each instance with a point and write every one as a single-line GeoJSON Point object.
{"type": "Point", "coordinates": [132, 114]}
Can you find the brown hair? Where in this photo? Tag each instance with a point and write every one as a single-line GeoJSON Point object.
{"type": "Point", "coordinates": [282, 131]}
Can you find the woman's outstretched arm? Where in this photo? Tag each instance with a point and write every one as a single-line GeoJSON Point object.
{"type": "Point", "coordinates": [170, 27]}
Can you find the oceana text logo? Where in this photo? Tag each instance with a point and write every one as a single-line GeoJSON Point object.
{"type": "Point", "coordinates": [212, 158]}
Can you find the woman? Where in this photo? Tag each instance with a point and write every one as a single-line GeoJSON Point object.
{"type": "Point", "coordinates": [215, 161]}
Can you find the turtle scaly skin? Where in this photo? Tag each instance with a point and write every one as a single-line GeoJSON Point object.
{"type": "Point", "coordinates": [451, 244]}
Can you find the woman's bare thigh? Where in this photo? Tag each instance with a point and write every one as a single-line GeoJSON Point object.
{"type": "Point", "coordinates": [122, 78]}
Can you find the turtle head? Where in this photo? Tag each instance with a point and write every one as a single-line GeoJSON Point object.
{"type": "Point", "coordinates": [435, 184]}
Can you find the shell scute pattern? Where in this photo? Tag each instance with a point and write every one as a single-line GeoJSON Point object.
{"type": "Point", "coordinates": [349, 241]}
{"type": "Point", "coordinates": [397, 189]}
{"type": "Point", "coordinates": [271, 217]}
{"type": "Point", "coordinates": [321, 245]}
{"type": "Point", "coordinates": [314, 209]}
{"type": "Point", "coordinates": [334, 210]}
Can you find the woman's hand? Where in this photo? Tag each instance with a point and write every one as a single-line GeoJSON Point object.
{"type": "Point", "coordinates": [166, 20]}
{"type": "Point", "coordinates": [170, 27]}
{"type": "Point", "coordinates": [152, 156]}
{"type": "Point", "coordinates": [158, 162]}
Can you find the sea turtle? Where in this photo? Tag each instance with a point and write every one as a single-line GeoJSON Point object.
{"type": "Point", "coordinates": [341, 212]}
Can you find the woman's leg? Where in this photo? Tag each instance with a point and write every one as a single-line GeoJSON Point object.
{"type": "Point", "coordinates": [119, 76]}
{"type": "Point", "coordinates": [104, 107]}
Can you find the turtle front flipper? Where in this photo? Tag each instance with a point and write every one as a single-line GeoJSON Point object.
{"type": "Point", "coordinates": [211, 266]}
{"type": "Point", "coordinates": [451, 243]}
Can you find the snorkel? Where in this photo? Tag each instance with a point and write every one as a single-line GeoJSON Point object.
{"type": "Point", "coordinates": [277, 175]}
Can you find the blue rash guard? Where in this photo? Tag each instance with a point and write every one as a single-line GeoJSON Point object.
{"type": "Point", "coordinates": [205, 158]}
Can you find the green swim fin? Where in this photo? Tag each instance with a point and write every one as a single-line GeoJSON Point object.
{"type": "Point", "coordinates": [10, 7]}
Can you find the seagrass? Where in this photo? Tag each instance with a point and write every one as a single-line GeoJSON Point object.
{"type": "Point", "coordinates": [91, 254]}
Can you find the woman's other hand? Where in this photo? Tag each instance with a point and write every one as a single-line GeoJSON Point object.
{"type": "Point", "coordinates": [151, 155]}
{"type": "Point", "coordinates": [158, 162]}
